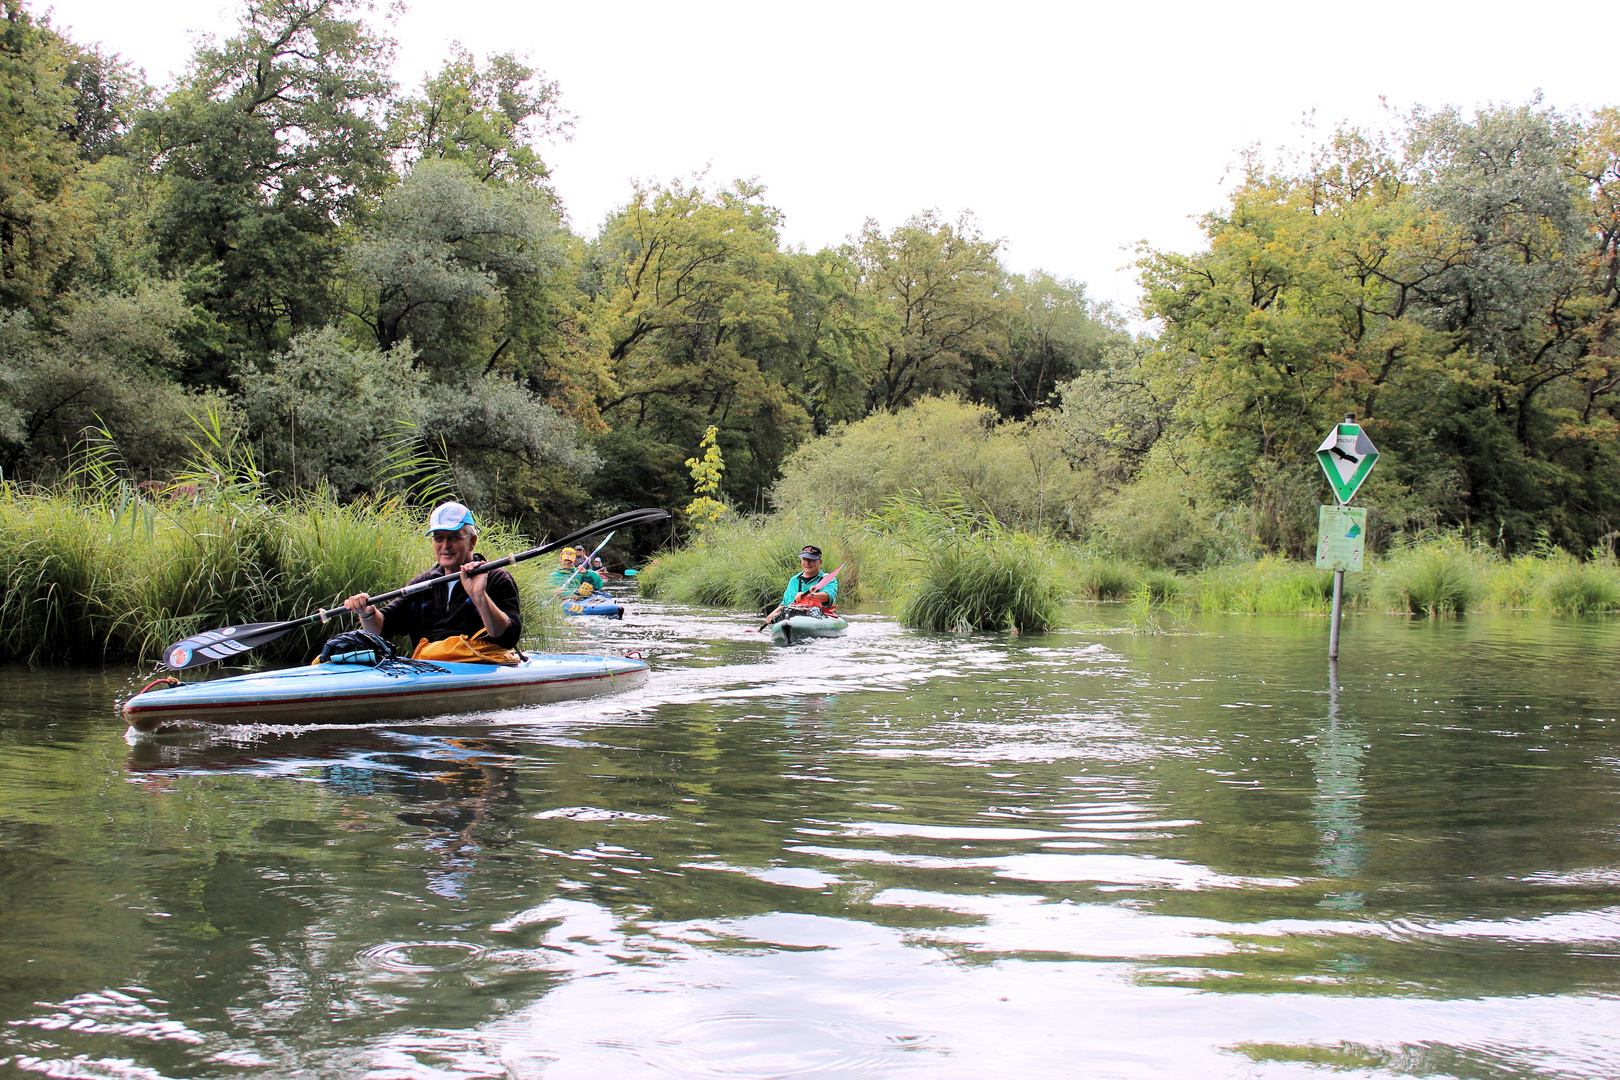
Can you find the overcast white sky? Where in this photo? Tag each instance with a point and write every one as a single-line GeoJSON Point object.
{"type": "Point", "coordinates": [1072, 130]}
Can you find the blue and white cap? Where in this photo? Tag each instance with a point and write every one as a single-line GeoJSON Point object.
{"type": "Point", "coordinates": [448, 517]}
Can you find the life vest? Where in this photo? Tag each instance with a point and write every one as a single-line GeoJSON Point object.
{"type": "Point", "coordinates": [802, 599]}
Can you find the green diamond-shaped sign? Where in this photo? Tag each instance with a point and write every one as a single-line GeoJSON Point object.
{"type": "Point", "coordinates": [1347, 456]}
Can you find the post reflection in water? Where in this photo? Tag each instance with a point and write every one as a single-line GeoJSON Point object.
{"type": "Point", "coordinates": [1336, 759]}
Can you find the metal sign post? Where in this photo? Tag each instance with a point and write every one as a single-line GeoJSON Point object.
{"type": "Point", "coordinates": [1347, 456]}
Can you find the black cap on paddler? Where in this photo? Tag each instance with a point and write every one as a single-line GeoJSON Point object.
{"type": "Point", "coordinates": [810, 552]}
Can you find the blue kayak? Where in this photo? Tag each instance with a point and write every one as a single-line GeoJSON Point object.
{"type": "Point", "coordinates": [360, 693]}
{"type": "Point", "coordinates": [594, 605]}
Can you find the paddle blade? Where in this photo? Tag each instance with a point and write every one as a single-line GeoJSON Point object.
{"type": "Point", "coordinates": [212, 646]}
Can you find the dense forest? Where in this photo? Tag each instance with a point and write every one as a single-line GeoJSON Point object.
{"type": "Point", "coordinates": [361, 284]}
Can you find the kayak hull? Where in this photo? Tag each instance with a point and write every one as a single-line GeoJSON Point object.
{"type": "Point", "coordinates": [357, 693]}
{"type": "Point", "coordinates": [804, 627]}
{"type": "Point", "coordinates": [605, 607]}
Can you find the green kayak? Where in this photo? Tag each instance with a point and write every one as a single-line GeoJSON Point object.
{"type": "Point", "coordinates": [803, 627]}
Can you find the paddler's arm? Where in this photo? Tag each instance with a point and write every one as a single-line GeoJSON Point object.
{"type": "Point", "coordinates": [828, 592]}
{"type": "Point", "coordinates": [371, 620]}
{"type": "Point", "coordinates": [496, 621]}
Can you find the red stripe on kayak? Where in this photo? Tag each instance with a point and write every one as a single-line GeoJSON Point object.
{"type": "Point", "coordinates": [130, 708]}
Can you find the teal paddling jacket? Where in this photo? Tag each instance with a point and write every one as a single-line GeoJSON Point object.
{"type": "Point", "coordinates": [560, 577]}
{"type": "Point", "coordinates": [798, 585]}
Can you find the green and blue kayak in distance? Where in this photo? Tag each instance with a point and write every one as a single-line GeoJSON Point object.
{"type": "Point", "coordinates": [599, 604]}
{"type": "Point", "coordinates": [803, 627]}
{"type": "Point", "coordinates": [359, 693]}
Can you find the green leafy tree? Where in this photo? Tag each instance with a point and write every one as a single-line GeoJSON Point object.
{"type": "Point", "coordinates": [321, 409]}
{"type": "Point", "coordinates": [1446, 285]}
{"type": "Point", "coordinates": [108, 363]}
{"type": "Point", "coordinates": [436, 264]}
{"type": "Point", "coordinates": [831, 348]}
{"type": "Point", "coordinates": [933, 293]}
{"type": "Point", "coordinates": [43, 218]}
{"type": "Point", "coordinates": [477, 268]}
{"type": "Point", "coordinates": [1050, 333]}
{"type": "Point", "coordinates": [485, 117]}
{"type": "Point", "coordinates": [688, 293]}
{"type": "Point", "coordinates": [272, 140]}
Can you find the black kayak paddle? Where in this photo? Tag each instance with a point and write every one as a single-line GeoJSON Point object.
{"type": "Point", "coordinates": [211, 646]}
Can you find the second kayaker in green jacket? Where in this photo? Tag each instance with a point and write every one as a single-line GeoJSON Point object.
{"type": "Point", "coordinates": [798, 592]}
{"type": "Point", "coordinates": [566, 579]}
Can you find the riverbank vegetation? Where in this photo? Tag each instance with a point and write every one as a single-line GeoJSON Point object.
{"type": "Point", "coordinates": [947, 567]}
{"type": "Point", "coordinates": [97, 568]}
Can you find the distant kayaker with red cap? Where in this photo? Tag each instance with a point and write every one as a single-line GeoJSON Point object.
{"type": "Point", "coordinates": [467, 604]}
{"type": "Point", "coordinates": [796, 594]}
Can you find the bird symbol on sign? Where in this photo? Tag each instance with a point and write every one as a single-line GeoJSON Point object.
{"type": "Point", "coordinates": [1351, 458]}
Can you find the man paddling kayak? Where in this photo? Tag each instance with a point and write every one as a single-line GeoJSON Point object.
{"type": "Point", "coordinates": [824, 594]}
{"type": "Point", "coordinates": [807, 603]}
{"type": "Point", "coordinates": [468, 605]}
{"type": "Point", "coordinates": [807, 591]}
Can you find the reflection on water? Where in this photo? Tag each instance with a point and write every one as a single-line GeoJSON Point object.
{"type": "Point", "coordinates": [1337, 757]}
{"type": "Point", "coordinates": [1090, 853]}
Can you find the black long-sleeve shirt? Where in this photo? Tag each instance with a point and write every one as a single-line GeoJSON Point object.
{"type": "Point", "coordinates": [446, 610]}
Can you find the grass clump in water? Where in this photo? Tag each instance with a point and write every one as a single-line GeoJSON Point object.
{"type": "Point", "coordinates": [52, 555]}
{"type": "Point", "coordinates": [971, 573]}
{"type": "Point", "coordinates": [1577, 588]}
{"type": "Point", "coordinates": [1102, 578]}
{"type": "Point", "coordinates": [1551, 579]}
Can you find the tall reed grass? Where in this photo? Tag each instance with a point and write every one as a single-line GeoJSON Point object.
{"type": "Point", "coordinates": [952, 568]}
{"type": "Point", "coordinates": [1553, 580]}
{"type": "Point", "coordinates": [1445, 576]}
{"type": "Point", "coordinates": [746, 563]}
{"type": "Point", "coordinates": [971, 573]}
{"type": "Point", "coordinates": [1270, 585]}
{"type": "Point", "coordinates": [105, 573]}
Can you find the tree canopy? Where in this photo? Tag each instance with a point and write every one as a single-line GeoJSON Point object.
{"type": "Point", "coordinates": [1452, 285]}
{"type": "Point", "coordinates": [349, 275]}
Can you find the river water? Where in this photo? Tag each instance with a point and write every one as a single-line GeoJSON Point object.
{"type": "Point", "coordinates": [1104, 853]}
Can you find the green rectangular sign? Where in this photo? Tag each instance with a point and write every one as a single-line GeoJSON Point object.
{"type": "Point", "coordinates": [1341, 534]}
